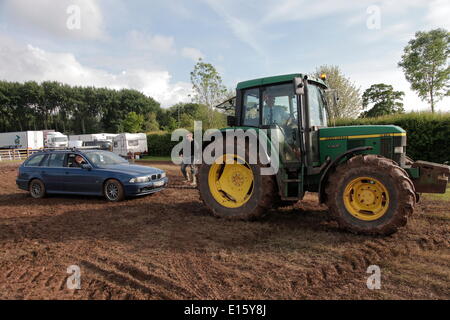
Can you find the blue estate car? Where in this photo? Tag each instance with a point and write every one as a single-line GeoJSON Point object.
{"type": "Point", "coordinates": [87, 172]}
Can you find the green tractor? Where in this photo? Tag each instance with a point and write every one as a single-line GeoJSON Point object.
{"type": "Point", "coordinates": [361, 173]}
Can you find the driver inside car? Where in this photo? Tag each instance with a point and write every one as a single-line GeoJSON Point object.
{"type": "Point", "coordinates": [79, 161]}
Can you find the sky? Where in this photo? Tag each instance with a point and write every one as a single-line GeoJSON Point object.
{"type": "Point", "coordinates": [152, 46]}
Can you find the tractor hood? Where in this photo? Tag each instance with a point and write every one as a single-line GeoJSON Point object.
{"type": "Point", "coordinates": [363, 131]}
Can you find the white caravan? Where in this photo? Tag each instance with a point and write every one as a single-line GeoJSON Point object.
{"type": "Point", "coordinates": [126, 143]}
{"type": "Point", "coordinates": [32, 140]}
{"type": "Point", "coordinates": [93, 137]}
{"type": "Point", "coordinates": [56, 140]}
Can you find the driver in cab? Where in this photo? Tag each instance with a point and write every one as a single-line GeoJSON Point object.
{"type": "Point", "coordinates": [274, 114]}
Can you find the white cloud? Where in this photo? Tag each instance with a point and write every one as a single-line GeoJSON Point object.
{"type": "Point", "coordinates": [192, 53]}
{"type": "Point", "coordinates": [245, 30]}
{"type": "Point", "coordinates": [24, 63]}
{"type": "Point", "coordinates": [292, 10]}
{"type": "Point", "coordinates": [438, 15]}
{"type": "Point", "coordinates": [400, 32]}
{"type": "Point", "coordinates": [384, 70]}
{"type": "Point", "coordinates": [52, 16]}
{"type": "Point", "coordinates": [154, 43]}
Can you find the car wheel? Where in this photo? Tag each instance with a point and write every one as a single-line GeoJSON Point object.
{"type": "Point", "coordinates": [113, 191]}
{"type": "Point", "coordinates": [37, 189]}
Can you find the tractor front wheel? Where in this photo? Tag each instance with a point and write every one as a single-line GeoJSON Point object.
{"type": "Point", "coordinates": [370, 194]}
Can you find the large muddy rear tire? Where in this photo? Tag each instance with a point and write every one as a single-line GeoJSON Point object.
{"type": "Point", "coordinates": [235, 191]}
{"type": "Point", "coordinates": [370, 194]}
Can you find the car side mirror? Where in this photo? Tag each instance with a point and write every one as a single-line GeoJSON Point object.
{"type": "Point", "coordinates": [86, 166]}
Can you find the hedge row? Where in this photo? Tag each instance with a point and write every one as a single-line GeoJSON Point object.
{"type": "Point", "coordinates": [428, 134]}
{"type": "Point", "coordinates": [160, 144]}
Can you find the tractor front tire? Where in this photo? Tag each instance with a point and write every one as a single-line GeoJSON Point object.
{"type": "Point", "coordinates": [235, 191]}
{"type": "Point", "coordinates": [370, 194]}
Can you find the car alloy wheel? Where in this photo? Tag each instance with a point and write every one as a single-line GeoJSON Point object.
{"type": "Point", "coordinates": [36, 189]}
{"type": "Point", "coordinates": [112, 191]}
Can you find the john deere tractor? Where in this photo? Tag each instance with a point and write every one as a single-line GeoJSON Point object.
{"type": "Point", "coordinates": [362, 173]}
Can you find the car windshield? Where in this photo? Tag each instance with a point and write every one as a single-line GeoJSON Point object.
{"type": "Point", "coordinates": [104, 158]}
{"type": "Point", "coordinates": [60, 139]}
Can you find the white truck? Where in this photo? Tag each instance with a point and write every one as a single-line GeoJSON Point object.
{"type": "Point", "coordinates": [56, 140]}
{"type": "Point", "coordinates": [32, 140]}
{"type": "Point", "coordinates": [125, 144]}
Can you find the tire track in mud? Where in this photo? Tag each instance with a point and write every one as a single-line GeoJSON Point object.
{"type": "Point", "coordinates": [118, 276]}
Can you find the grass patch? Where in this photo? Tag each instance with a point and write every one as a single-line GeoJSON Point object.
{"type": "Point", "coordinates": [438, 196]}
{"type": "Point", "coordinates": [153, 158]}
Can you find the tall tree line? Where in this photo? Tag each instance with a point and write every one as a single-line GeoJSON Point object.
{"type": "Point", "coordinates": [52, 105]}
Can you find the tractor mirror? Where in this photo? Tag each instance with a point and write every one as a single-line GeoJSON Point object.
{"type": "Point", "coordinates": [299, 86]}
{"type": "Point", "coordinates": [231, 121]}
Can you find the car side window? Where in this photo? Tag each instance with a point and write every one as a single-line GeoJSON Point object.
{"type": "Point", "coordinates": [35, 161]}
{"type": "Point", "coordinates": [71, 163]}
{"type": "Point", "coordinates": [56, 160]}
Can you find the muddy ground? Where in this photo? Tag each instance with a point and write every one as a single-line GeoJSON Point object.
{"type": "Point", "coordinates": [167, 246]}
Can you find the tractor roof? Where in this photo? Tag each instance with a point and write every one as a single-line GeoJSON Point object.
{"type": "Point", "coordinates": [275, 79]}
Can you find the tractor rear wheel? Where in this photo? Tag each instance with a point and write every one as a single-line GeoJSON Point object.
{"type": "Point", "coordinates": [235, 190]}
{"type": "Point", "coordinates": [370, 194]}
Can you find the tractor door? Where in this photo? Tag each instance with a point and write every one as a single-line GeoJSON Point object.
{"type": "Point", "coordinates": [280, 112]}
{"type": "Point", "coordinates": [316, 117]}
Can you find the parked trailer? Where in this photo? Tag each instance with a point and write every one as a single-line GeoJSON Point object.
{"type": "Point", "coordinates": [93, 137]}
{"type": "Point", "coordinates": [130, 143]}
{"type": "Point", "coordinates": [22, 140]}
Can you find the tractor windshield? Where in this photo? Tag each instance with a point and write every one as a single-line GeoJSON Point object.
{"type": "Point", "coordinates": [317, 106]}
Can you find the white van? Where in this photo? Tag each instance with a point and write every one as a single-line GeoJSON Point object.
{"type": "Point", "coordinates": [56, 140]}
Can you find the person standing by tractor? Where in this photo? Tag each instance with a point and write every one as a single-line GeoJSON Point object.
{"type": "Point", "coordinates": [188, 168]}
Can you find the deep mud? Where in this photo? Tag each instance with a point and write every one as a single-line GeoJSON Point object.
{"type": "Point", "coordinates": [167, 246]}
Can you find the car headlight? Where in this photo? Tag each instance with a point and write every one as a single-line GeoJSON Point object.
{"type": "Point", "coordinates": [140, 180]}
{"type": "Point", "coordinates": [163, 174]}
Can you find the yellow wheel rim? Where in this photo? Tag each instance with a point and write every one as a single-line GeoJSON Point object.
{"type": "Point", "coordinates": [366, 199]}
{"type": "Point", "coordinates": [230, 181]}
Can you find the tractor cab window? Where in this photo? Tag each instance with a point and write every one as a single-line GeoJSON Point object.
{"type": "Point", "coordinates": [316, 102]}
{"type": "Point", "coordinates": [251, 107]}
{"type": "Point", "coordinates": [279, 105]}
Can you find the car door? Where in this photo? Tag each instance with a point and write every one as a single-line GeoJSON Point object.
{"type": "Point", "coordinates": [53, 172]}
{"type": "Point", "coordinates": [79, 180]}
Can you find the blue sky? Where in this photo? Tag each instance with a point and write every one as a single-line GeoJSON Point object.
{"type": "Point", "coordinates": [153, 45]}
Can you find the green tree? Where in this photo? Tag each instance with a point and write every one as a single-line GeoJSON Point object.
{"type": "Point", "coordinates": [349, 104]}
{"type": "Point", "coordinates": [424, 62]}
{"type": "Point", "coordinates": [383, 100]}
{"type": "Point", "coordinates": [151, 123]}
{"type": "Point", "coordinates": [133, 122]}
{"type": "Point", "coordinates": [207, 85]}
